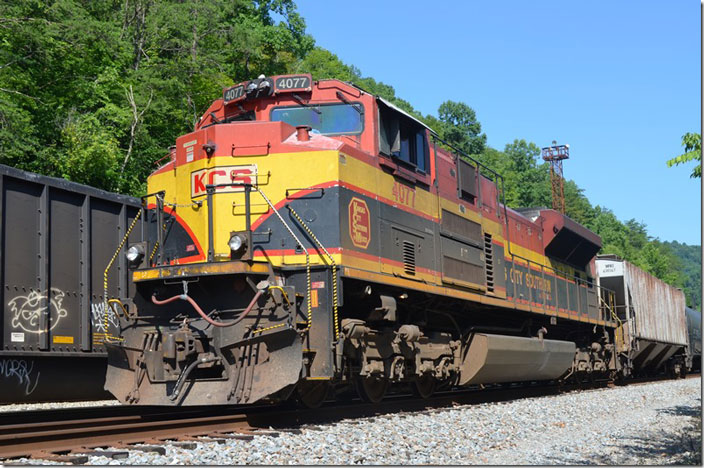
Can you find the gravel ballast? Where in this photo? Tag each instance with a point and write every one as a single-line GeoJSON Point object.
{"type": "Point", "coordinates": [15, 407]}
{"type": "Point", "coordinates": [657, 423]}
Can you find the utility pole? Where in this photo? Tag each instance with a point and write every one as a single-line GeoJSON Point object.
{"type": "Point", "coordinates": [555, 154]}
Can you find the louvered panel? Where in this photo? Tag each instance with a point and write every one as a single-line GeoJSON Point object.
{"type": "Point", "coordinates": [409, 258]}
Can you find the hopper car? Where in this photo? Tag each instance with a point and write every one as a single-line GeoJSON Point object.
{"type": "Point", "coordinates": [658, 330]}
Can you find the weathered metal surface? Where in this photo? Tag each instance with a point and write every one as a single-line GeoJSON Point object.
{"type": "Point", "coordinates": [47, 377]}
{"type": "Point", "coordinates": [649, 355]}
{"type": "Point", "coordinates": [694, 350]}
{"type": "Point", "coordinates": [694, 328]}
{"type": "Point", "coordinates": [260, 370]}
{"type": "Point", "coordinates": [235, 357]}
{"type": "Point", "coordinates": [199, 269]}
{"type": "Point", "coordinates": [499, 358]}
{"type": "Point", "coordinates": [654, 310]}
{"type": "Point", "coordinates": [56, 239]}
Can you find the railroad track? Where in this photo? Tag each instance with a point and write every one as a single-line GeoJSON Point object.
{"type": "Point", "coordinates": [70, 435]}
{"type": "Point", "coordinates": [53, 435]}
{"type": "Point", "coordinates": [57, 440]}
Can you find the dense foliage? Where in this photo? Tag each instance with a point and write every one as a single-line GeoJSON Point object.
{"type": "Point", "coordinates": [690, 258]}
{"type": "Point", "coordinates": [95, 91]}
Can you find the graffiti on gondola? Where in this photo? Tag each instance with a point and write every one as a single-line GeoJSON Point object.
{"type": "Point", "coordinates": [97, 317]}
{"type": "Point", "coordinates": [19, 372]}
{"type": "Point", "coordinates": [27, 310]}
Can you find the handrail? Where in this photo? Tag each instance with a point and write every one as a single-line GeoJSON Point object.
{"type": "Point", "coordinates": [333, 266]}
{"type": "Point", "coordinates": [106, 302]}
{"type": "Point", "coordinates": [305, 250]}
{"type": "Point", "coordinates": [211, 191]}
{"type": "Point", "coordinates": [502, 189]}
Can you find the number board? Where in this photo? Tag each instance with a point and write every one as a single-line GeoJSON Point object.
{"type": "Point", "coordinates": [288, 83]}
{"type": "Point", "coordinates": [234, 94]}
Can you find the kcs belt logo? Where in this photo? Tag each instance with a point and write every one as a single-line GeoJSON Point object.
{"type": "Point", "coordinates": [360, 225]}
{"type": "Point", "coordinates": [222, 175]}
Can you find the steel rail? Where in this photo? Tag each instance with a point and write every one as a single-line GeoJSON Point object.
{"type": "Point", "coordinates": [39, 439]}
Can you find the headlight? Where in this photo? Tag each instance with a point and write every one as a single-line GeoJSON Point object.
{"type": "Point", "coordinates": [237, 242]}
{"type": "Point", "coordinates": [134, 254]}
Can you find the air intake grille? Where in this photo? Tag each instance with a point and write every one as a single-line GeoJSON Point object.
{"type": "Point", "coordinates": [409, 258]}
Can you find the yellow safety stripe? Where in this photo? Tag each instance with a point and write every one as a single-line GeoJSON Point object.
{"type": "Point", "coordinates": [107, 269]}
{"type": "Point", "coordinates": [334, 270]}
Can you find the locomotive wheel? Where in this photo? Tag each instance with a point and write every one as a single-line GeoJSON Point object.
{"type": "Point", "coordinates": [371, 389]}
{"type": "Point", "coordinates": [424, 386]}
{"type": "Point", "coordinates": [312, 393]}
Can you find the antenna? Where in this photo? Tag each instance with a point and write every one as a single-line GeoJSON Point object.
{"type": "Point", "coordinates": [555, 154]}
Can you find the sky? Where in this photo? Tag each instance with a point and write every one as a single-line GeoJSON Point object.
{"type": "Point", "coordinates": [619, 81]}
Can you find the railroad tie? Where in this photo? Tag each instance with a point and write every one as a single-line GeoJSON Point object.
{"type": "Point", "coordinates": [220, 435]}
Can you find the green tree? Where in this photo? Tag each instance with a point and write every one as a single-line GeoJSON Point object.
{"type": "Point", "coordinates": [524, 178]}
{"type": "Point", "coordinates": [323, 64]}
{"type": "Point", "coordinates": [97, 90]}
{"type": "Point", "coordinates": [458, 125]}
{"type": "Point", "coordinates": [692, 143]}
{"type": "Point", "coordinates": [658, 260]}
{"type": "Point", "coordinates": [690, 260]}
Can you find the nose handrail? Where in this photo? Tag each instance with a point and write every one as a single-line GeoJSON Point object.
{"type": "Point", "coordinates": [248, 187]}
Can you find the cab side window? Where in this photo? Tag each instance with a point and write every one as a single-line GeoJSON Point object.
{"type": "Point", "coordinates": [403, 139]}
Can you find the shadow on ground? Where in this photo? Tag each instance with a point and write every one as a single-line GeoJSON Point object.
{"type": "Point", "coordinates": [654, 447]}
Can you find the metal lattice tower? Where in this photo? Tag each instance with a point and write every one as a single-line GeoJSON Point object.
{"type": "Point", "coordinates": [555, 154]}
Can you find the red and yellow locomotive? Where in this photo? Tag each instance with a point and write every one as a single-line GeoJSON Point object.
{"type": "Point", "coordinates": [309, 236]}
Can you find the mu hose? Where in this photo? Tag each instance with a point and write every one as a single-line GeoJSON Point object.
{"type": "Point", "coordinates": [194, 304]}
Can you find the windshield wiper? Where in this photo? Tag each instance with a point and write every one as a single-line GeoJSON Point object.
{"type": "Point", "coordinates": [299, 100]}
{"type": "Point", "coordinates": [342, 98]}
{"type": "Point", "coordinates": [242, 115]}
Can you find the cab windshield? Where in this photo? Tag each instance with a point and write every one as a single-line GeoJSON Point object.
{"type": "Point", "coordinates": [328, 119]}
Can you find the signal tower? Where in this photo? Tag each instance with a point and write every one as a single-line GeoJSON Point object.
{"type": "Point", "coordinates": [555, 154]}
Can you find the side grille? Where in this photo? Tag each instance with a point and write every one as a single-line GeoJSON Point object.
{"type": "Point", "coordinates": [462, 271]}
{"type": "Point", "coordinates": [456, 224]}
{"type": "Point", "coordinates": [409, 258]}
{"type": "Point", "coordinates": [489, 262]}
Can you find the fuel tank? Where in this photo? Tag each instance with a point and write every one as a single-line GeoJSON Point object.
{"type": "Point", "coordinates": [500, 358]}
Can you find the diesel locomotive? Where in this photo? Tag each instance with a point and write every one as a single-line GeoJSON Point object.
{"type": "Point", "coordinates": [309, 237]}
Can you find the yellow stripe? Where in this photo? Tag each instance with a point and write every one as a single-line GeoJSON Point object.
{"type": "Point", "coordinates": [372, 179]}
{"type": "Point", "coordinates": [197, 269]}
